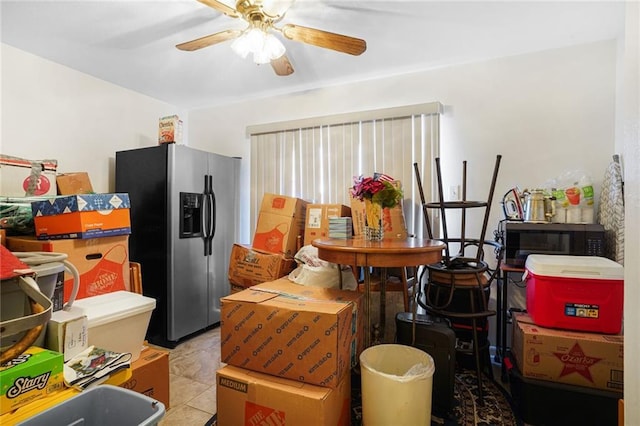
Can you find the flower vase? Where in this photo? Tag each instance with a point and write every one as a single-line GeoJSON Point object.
{"type": "Point", "coordinates": [373, 230]}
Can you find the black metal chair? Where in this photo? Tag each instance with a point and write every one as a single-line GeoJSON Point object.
{"type": "Point", "coordinates": [459, 286]}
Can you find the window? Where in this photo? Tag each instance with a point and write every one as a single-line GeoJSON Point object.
{"type": "Point", "coordinates": [316, 159]}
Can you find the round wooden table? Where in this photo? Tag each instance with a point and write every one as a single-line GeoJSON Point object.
{"type": "Point", "coordinates": [388, 253]}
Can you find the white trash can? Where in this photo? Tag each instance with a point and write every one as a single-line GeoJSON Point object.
{"type": "Point", "coordinates": [397, 382]}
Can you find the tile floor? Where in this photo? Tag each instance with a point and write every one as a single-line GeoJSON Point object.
{"type": "Point", "coordinates": [192, 375]}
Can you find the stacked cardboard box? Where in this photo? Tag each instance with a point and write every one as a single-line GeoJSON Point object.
{"type": "Point", "coordinates": [280, 225]}
{"type": "Point", "coordinates": [277, 238]}
{"type": "Point", "coordinates": [289, 350]}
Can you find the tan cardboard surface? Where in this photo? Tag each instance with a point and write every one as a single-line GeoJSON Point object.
{"type": "Point", "coordinates": [576, 358]}
{"type": "Point", "coordinates": [317, 219]}
{"type": "Point", "coordinates": [279, 333]}
{"type": "Point", "coordinates": [150, 375]}
{"type": "Point", "coordinates": [249, 266]}
{"type": "Point", "coordinates": [248, 398]}
{"type": "Point", "coordinates": [280, 224]}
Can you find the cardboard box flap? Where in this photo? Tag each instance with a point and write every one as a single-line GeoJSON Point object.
{"type": "Point", "coordinates": [526, 323]}
{"type": "Point", "coordinates": [250, 296]}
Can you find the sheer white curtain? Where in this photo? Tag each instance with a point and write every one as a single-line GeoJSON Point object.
{"type": "Point", "coordinates": [316, 159]}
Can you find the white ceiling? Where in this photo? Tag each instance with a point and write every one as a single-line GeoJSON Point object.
{"type": "Point", "coordinates": [132, 43]}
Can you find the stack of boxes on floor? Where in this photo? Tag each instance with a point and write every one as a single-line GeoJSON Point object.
{"type": "Point", "coordinates": [92, 231]}
{"type": "Point", "coordinates": [288, 349]}
{"type": "Point", "coordinates": [568, 347]}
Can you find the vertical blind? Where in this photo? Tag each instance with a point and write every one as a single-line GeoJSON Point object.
{"type": "Point", "coordinates": [317, 159]}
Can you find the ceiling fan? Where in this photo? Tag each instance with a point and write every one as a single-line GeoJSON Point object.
{"type": "Point", "coordinates": [258, 37]}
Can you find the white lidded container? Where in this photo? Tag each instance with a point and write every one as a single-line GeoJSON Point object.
{"type": "Point", "coordinates": [118, 321]}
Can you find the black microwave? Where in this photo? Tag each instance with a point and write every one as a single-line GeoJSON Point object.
{"type": "Point", "coordinates": [576, 239]}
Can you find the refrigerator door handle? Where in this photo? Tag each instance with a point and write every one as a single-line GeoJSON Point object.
{"type": "Point", "coordinates": [210, 229]}
{"type": "Point", "coordinates": [212, 200]}
{"type": "Point", "coordinates": [205, 215]}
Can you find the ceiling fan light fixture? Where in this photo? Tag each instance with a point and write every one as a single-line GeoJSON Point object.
{"type": "Point", "coordinates": [241, 46]}
{"type": "Point", "coordinates": [274, 47]}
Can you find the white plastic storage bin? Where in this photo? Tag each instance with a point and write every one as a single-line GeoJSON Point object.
{"type": "Point", "coordinates": [118, 321]}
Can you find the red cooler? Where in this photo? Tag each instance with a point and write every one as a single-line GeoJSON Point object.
{"type": "Point", "coordinates": [575, 292]}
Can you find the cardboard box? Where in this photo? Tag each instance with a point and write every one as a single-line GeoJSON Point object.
{"type": "Point", "coordinates": [280, 224]}
{"type": "Point", "coordinates": [249, 266]}
{"type": "Point", "coordinates": [248, 398]}
{"type": "Point", "coordinates": [74, 183]}
{"type": "Point", "coordinates": [392, 218]}
{"type": "Point", "coordinates": [20, 177]}
{"type": "Point", "coordinates": [103, 263]}
{"type": "Point", "coordinates": [317, 219]}
{"type": "Point", "coordinates": [150, 375]}
{"type": "Point", "coordinates": [34, 374]}
{"type": "Point", "coordinates": [82, 216]}
{"type": "Point", "coordinates": [277, 329]}
{"type": "Point", "coordinates": [287, 287]}
{"type": "Point", "coordinates": [576, 358]}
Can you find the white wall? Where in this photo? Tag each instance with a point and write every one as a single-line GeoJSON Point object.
{"type": "Point", "coordinates": [53, 112]}
{"type": "Point", "coordinates": [545, 113]}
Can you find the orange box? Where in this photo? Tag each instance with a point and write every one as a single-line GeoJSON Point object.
{"type": "Point", "coordinates": [103, 263]}
{"type": "Point", "coordinates": [280, 224]}
{"type": "Point", "coordinates": [83, 224]}
{"type": "Point", "coordinates": [82, 216]}
{"type": "Point", "coordinates": [248, 398]}
{"type": "Point", "coordinates": [317, 223]}
{"type": "Point", "coordinates": [249, 266]}
{"type": "Point", "coordinates": [150, 375]}
{"type": "Point", "coordinates": [392, 218]}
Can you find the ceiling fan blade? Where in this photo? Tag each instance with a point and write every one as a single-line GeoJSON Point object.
{"type": "Point", "coordinates": [320, 38]}
{"type": "Point", "coordinates": [282, 66]}
{"type": "Point", "coordinates": [209, 40]}
{"type": "Point", "coordinates": [221, 7]}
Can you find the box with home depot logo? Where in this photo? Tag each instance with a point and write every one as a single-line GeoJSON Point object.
{"type": "Point", "coordinates": [577, 358]}
{"type": "Point", "coordinates": [392, 218]}
{"type": "Point", "coordinates": [280, 224]}
{"type": "Point", "coordinates": [32, 375]}
{"type": "Point", "coordinates": [102, 263]}
{"type": "Point", "coordinates": [249, 398]}
{"type": "Point", "coordinates": [278, 329]}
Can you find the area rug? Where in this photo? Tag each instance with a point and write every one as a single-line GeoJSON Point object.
{"type": "Point", "coordinates": [497, 409]}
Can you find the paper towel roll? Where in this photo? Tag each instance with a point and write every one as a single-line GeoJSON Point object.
{"type": "Point", "coordinates": [574, 215]}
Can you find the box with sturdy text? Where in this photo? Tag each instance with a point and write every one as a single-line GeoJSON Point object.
{"type": "Point", "coordinates": [285, 334]}
{"type": "Point", "coordinates": [102, 263]}
{"type": "Point", "coordinates": [280, 224]}
{"type": "Point", "coordinates": [392, 218]}
{"type": "Point", "coordinates": [249, 266]}
{"type": "Point", "coordinates": [32, 375]}
{"type": "Point", "coordinates": [150, 375]}
{"type": "Point", "coordinates": [247, 398]}
{"type": "Point", "coordinates": [20, 177]}
{"type": "Point", "coordinates": [577, 358]}
{"type": "Point", "coordinates": [82, 216]}
{"type": "Point", "coordinates": [170, 129]}
{"type": "Point", "coordinates": [317, 219]}
{"type": "Point", "coordinates": [74, 183]}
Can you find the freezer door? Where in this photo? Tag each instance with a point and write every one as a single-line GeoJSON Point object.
{"type": "Point", "coordinates": [188, 289]}
{"type": "Point", "coordinates": [225, 172]}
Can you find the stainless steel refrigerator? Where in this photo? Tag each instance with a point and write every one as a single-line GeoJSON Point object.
{"type": "Point", "coordinates": [184, 208]}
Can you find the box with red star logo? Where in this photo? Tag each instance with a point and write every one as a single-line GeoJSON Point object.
{"type": "Point", "coordinates": [591, 360]}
